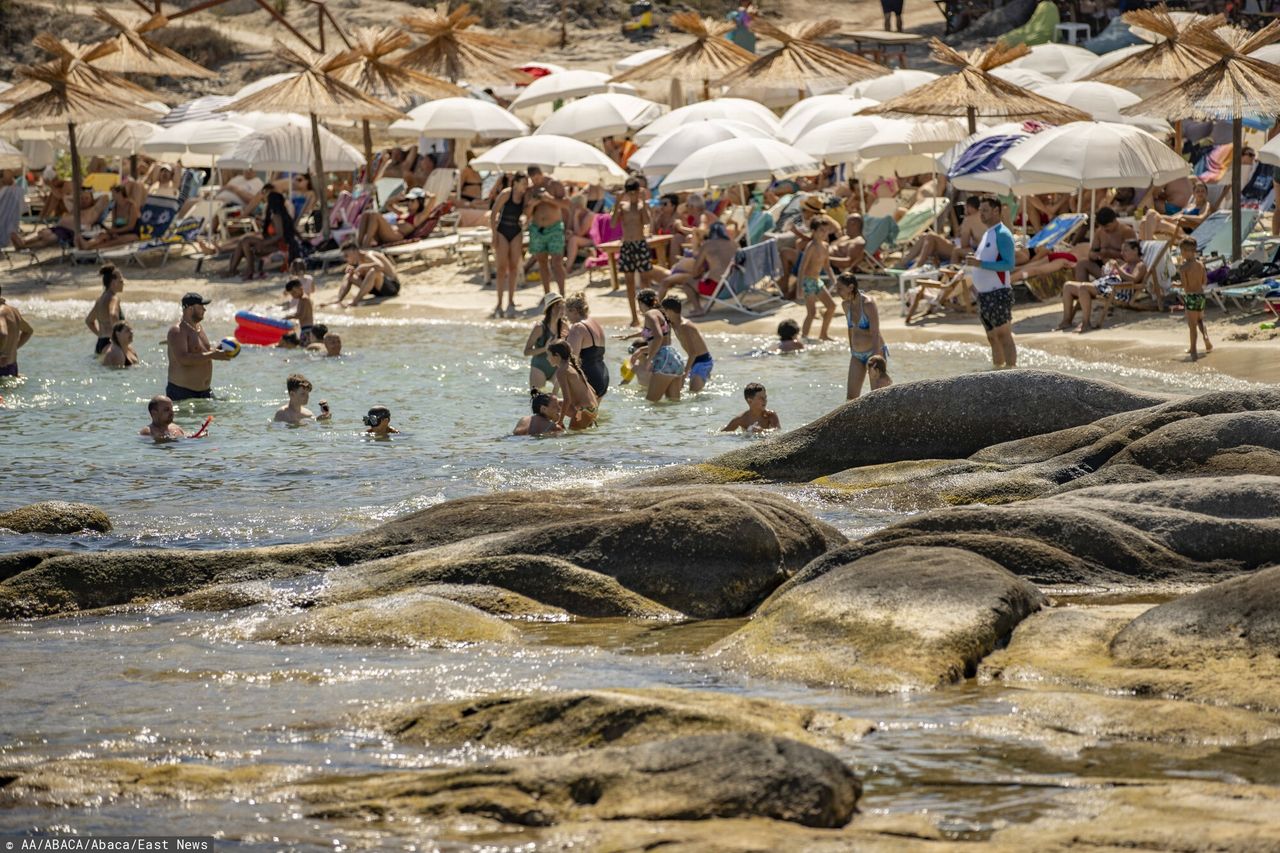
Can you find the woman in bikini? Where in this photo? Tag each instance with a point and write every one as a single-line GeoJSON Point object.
{"type": "Point", "coordinates": [864, 331]}
{"type": "Point", "coordinates": [658, 364]}
{"type": "Point", "coordinates": [1127, 271]}
{"type": "Point", "coordinates": [505, 221]}
{"type": "Point", "coordinates": [380, 229]}
{"type": "Point", "coordinates": [472, 185]}
{"type": "Point", "coordinates": [551, 327]}
{"type": "Point", "coordinates": [124, 224]}
{"type": "Point", "coordinates": [580, 405]}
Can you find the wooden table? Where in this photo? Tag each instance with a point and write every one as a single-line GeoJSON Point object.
{"type": "Point", "coordinates": [883, 44]}
{"type": "Point", "coordinates": [660, 243]}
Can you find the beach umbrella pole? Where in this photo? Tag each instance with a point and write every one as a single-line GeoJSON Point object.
{"type": "Point", "coordinates": [75, 182]}
{"type": "Point", "coordinates": [972, 114]}
{"type": "Point", "coordinates": [319, 176]}
{"type": "Point", "coordinates": [368, 152]}
{"type": "Point", "coordinates": [1237, 141]}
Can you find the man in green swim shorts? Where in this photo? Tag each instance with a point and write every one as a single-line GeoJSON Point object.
{"type": "Point", "coordinates": [546, 233]}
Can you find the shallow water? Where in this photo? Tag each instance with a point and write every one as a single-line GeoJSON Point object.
{"type": "Point", "coordinates": [163, 684]}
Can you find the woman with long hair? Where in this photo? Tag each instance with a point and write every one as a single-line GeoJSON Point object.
{"type": "Point", "coordinates": [377, 228]}
{"type": "Point", "coordinates": [278, 235]}
{"type": "Point", "coordinates": [864, 333]}
{"type": "Point", "coordinates": [581, 405]}
{"type": "Point", "coordinates": [120, 352]}
{"type": "Point", "coordinates": [505, 220]}
{"type": "Point", "coordinates": [551, 327]}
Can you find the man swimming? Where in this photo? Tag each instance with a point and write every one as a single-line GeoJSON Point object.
{"type": "Point", "coordinates": [191, 356]}
{"type": "Point", "coordinates": [758, 416]}
{"type": "Point", "coordinates": [378, 421]}
{"type": "Point", "coordinates": [162, 427]}
{"type": "Point", "coordinates": [295, 411]}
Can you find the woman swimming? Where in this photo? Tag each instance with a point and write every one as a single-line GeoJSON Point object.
{"type": "Point", "coordinates": [581, 405]}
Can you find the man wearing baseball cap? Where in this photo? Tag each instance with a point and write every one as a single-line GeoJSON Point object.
{"type": "Point", "coordinates": [191, 357]}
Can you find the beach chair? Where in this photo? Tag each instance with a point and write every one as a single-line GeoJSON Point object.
{"type": "Point", "coordinates": [420, 240]}
{"type": "Point", "coordinates": [157, 214]}
{"type": "Point", "coordinates": [100, 182]}
{"type": "Point", "coordinates": [1157, 281]}
{"type": "Point", "coordinates": [739, 288]}
{"type": "Point", "coordinates": [919, 218]}
{"type": "Point", "coordinates": [1213, 236]}
{"type": "Point", "coordinates": [602, 231]}
{"type": "Point", "coordinates": [950, 289]}
{"type": "Point", "coordinates": [1058, 230]}
{"type": "Point", "coordinates": [160, 229]}
{"type": "Point", "coordinates": [441, 184]}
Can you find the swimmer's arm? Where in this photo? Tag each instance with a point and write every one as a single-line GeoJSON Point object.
{"type": "Point", "coordinates": [771, 418]}
{"type": "Point", "coordinates": [737, 423]}
{"type": "Point", "coordinates": [185, 357]}
{"type": "Point", "coordinates": [91, 320]}
{"type": "Point", "coordinates": [24, 331]}
{"type": "Point", "coordinates": [529, 348]}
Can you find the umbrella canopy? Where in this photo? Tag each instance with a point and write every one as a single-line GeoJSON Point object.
{"type": "Point", "coordinates": [565, 85]}
{"type": "Point", "coordinates": [1270, 153]}
{"type": "Point", "coordinates": [366, 67]}
{"type": "Point", "coordinates": [1171, 59]}
{"type": "Point", "coordinates": [74, 63]}
{"type": "Point", "coordinates": [1268, 53]}
{"type": "Point", "coordinates": [460, 118]}
{"type": "Point", "coordinates": [708, 57]}
{"type": "Point", "coordinates": [973, 91]}
{"type": "Point", "coordinates": [566, 158]}
{"type": "Point", "coordinates": [209, 137]}
{"type": "Point", "coordinates": [1054, 59]}
{"type": "Point", "coordinates": [914, 136]}
{"type": "Point", "coordinates": [975, 165]}
{"type": "Point", "coordinates": [137, 54]}
{"type": "Point", "coordinates": [456, 52]}
{"type": "Point", "coordinates": [10, 157]}
{"type": "Point", "coordinates": [1024, 77]}
{"type": "Point", "coordinates": [597, 116]}
{"type": "Point", "coordinates": [732, 109]}
{"type": "Point", "coordinates": [1095, 155]}
{"type": "Point", "coordinates": [115, 138]}
{"type": "Point", "coordinates": [201, 109]}
{"type": "Point", "coordinates": [1155, 35]}
{"type": "Point", "coordinates": [842, 141]}
{"type": "Point", "coordinates": [1235, 87]}
{"type": "Point", "coordinates": [1101, 63]}
{"type": "Point", "coordinates": [291, 149]}
{"type": "Point", "coordinates": [266, 121]}
{"type": "Point", "coordinates": [640, 57]}
{"type": "Point", "coordinates": [803, 60]}
{"type": "Point", "coordinates": [739, 161]}
{"type": "Point", "coordinates": [891, 85]}
{"type": "Point", "coordinates": [262, 83]}
{"type": "Point", "coordinates": [819, 110]}
{"type": "Point", "coordinates": [657, 157]}
{"type": "Point", "coordinates": [1104, 102]}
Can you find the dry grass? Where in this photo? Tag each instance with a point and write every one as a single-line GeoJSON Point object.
{"type": "Point", "coordinates": [201, 44]}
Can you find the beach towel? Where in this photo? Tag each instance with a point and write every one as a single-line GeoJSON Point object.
{"type": "Point", "coordinates": [1215, 165]}
{"type": "Point", "coordinates": [1038, 29]}
{"type": "Point", "coordinates": [1115, 35]}
{"type": "Point", "coordinates": [759, 262]}
{"type": "Point", "coordinates": [879, 231]}
{"type": "Point", "coordinates": [1259, 185]}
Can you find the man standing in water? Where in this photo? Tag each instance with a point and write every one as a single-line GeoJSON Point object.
{"type": "Point", "coordinates": [191, 356]}
{"type": "Point", "coordinates": [989, 270]}
{"type": "Point", "coordinates": [106, 312]}
{"type": "Point", "coordinates": [14, 334]}
{"type": "Point", "coordinates": [633, 256]}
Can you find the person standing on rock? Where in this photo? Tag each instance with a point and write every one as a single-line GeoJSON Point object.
{"type": "Point", "coordinates": [191, 356]}
{"type": "Point", "coordinates": [14, 334]}
{"type": "Point", "coordinates": [990, 269]}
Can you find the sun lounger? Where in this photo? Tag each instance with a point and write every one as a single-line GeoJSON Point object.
{"type": "Point", "coordinates": [1156, 282]}
{"type": "Point", "coordinates": [159, 227]}
{"type": "Point", "coordinates": [441, 184]}
{"type": "Point", "coordinates": [739, 288]}
{"type": "Point", "coordinates": [921, 217]}
{"type": "Point", "coordinates": [1213, 236]}
{"type": "Point", "coordinates": [1058, 230]}
{"type": "Point", "coordinates": [602, 231]}
{"type": "Point", "coordinates": [949, 289]}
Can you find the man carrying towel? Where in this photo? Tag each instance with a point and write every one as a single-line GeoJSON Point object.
{"type": "Point", "coordinates": [989, 270]}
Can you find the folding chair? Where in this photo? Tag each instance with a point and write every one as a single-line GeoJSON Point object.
{"type": "Point", "coordinates": [1058, 230]}
{"type": "Point", "coordinates": [741, 281]}
{"type": "Point", "coordinates": [1213, 236]}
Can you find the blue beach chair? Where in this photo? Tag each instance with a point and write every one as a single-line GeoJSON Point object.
{"type": "Point", "coordinates": [1059, 229]}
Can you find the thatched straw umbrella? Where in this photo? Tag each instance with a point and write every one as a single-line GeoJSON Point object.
{"type": "Point", "coordinates": [321, 95]}
{"type": "Point", "coordinates": [68, 91]}
{"type": "Point", "coordinates": [1235, 87]}
{"type": "Point", "coordinates": [456, 52]}
{"type": "Point", "coordinates": [366, 67]}
{"type": "Point", "coordinates": [802, 59]}
{"type": "Point", "coordinates": [708, 57]}
{"type": "Point", "coordinates": [137, 54]}
{"type": "Point", "coordinates": [973, 91]}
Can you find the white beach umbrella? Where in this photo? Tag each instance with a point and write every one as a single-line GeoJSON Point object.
{"type": "Point", "coordinates": [1104, 102]}
{"type": "Point", "coordinates": [890, 85]}
{"type": "Point", "coordinates": [264, 83]}
{"type": "Point", "coordinates": [460, 118]}
{"type": "Point", "coordinates": [1268, 53]}
{"type": "Point", "coordinates": [567, 159]}
{"type": "Point", "coordinates": [10, 157]}
{"type": "Point", "coordinates": [914, 137]}
{"type": "Point", "coordinates": [1270, 152]}
{"type": "Point", "coordinates": [1024, 77]}
{"type": "Point", "coordinates": [114, 138]}
{"type": "Point", "coordinates": [1054, 59]}
{"type": "Point", "coordinates": [819, 110]}
{"type": "Point", "coordinates": [733, 109]}
{"type": "Point", "coordinates": [1095, 155]}
{"type": "Point", "coordinates": [999, 181]}
{"type": "Point", "coordinates": [564, 85]}
{"type": "Point", "coordinates": [842, 141]}
{"type": "Point", "coordinates": [657, 157]}
{"type": "Point", "coordinates": [739, 161]}
{"type": "Point", "coordinates": [259, 121]}
{"type": "Point", "coordinates": [200, 109]}
{"type": "Point", "coordinates": [208, 137]}
{"type": "Point", "coordinates": [640, 57]}
{"type": "Point", "coordinates": [597, 116]}
{"type": "Point", "coordinates": [289, 149]}
{"type": "Point", "coordinates": [1102, 62]}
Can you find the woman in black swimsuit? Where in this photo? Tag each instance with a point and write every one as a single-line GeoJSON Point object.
{"type": "Point", "coordinates": [508, 238]}
{"type": "Point", "coordinates": [586, 339]}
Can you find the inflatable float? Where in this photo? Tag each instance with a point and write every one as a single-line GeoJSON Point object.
{"type": "Point", "coordinates": [260, 330]}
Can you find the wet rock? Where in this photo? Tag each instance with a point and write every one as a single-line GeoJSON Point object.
{"type": "Point", "coordinates": [561, 722]}
{"type": "Point", "coordinates": [90, 782]}
{"type": "Point", "coordinates": [721, 550]}
{"type": "Point", "coordinates": [234, 596]}
{"type": "Point", "coordinates": [55, 517]}
{"type": "Point", "coordinates": [406, 619]}
{"type": "Point", "coordinates": [901, 619]}
{"type": "Point", "coordinates": [689, 778]}
{"type": "Point", "coordinates": [947, 418]}
{"type": "Point", "coordinates": [1192, 531]}
{"type": "Point", "coordinates": [498, 602]}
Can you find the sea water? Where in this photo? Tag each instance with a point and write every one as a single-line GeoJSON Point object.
{"type": "Point", "coordinates": [162, 684]}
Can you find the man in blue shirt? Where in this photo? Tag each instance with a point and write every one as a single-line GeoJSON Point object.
{"type": "Point", "coordinates": [989, 270]}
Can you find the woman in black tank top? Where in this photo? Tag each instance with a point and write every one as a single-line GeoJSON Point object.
{"type": "Point", "coordinates": [586, 339]}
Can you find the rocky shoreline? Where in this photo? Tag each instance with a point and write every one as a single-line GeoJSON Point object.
{"type": "Point", "coordinates": [1042, 501]}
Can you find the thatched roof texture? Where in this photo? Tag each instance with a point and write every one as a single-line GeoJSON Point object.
{"type": "Point", "coordinates": [802, 59]}
{"type": "Point", "coordinates": [137, 54]}
{"type": "Point", "coordinates": [972, 91]}
{"type": "Point", "coordinates": [708, 57]}
{"type": "Point", "coordinates": [1172, 58]}
{"type": "Point", "coordinates": [313, 91]}
{"type": "Point", "coordinates": [366, 67]}
{"type": "Point", "coordinates": [1236, 85]}
{"type": "Point", "coordinates": [455, 52]}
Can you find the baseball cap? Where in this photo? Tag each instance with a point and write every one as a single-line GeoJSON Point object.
{"type": "Point", "coordinates": [194, 299]}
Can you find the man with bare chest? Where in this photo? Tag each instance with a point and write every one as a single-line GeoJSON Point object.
{"type": "Point", "coordinates": [191, 356]}
{"type": "Point", "coordinates": [546, 231]}
{"type": "Point", "coordinates": [632, 213]}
